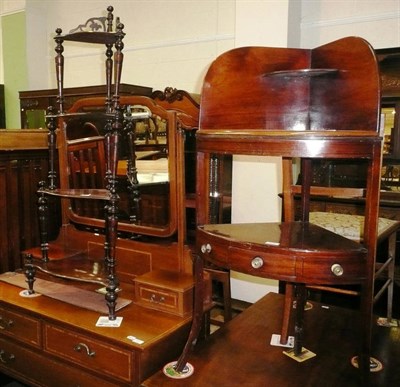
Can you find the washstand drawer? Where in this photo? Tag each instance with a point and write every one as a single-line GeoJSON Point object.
{"type": "Point", "coordinates": [331, 271]}
{"type": "Point", "coordinates": [89, 353]}
{"type": "Point", "coordinates": [21, 327]}
{"type": "Point", "coordinates": [166, 291]}
{"type": "Point", "coordinates": [261, 264]}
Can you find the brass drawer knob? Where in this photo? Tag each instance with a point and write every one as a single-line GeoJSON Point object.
{"type": "Point", "coordinates": [206, 248]}
{"type": "Point", "coordinates": [257, 262]}
{"type": "Point", "coordinates": [337, 269]}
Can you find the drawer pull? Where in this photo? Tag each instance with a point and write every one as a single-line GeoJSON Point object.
{"type": "Point", "coordinates": [78, 348]}
{"type": "Point", "coordinates": [3, 357]}
{"type": "Point", "coordinates": [206, 248]}
{"type": "Point", "coordinates": [257, 262]}
{"type": "Point", "coordinates": [337, 269]}
{"type": "Point", "coordinates": [154, 299]}
{"type": "Point", "coordinates": [6, 324]}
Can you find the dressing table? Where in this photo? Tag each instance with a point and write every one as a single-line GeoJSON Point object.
{"type": "Point", "coordinates": [48, 339]}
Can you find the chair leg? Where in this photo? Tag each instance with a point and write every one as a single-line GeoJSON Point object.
{"type": "Point", "coordinates": [387, 269]}
{"type": "Point", "coordinates": [301, 297]}
{"type": "Point", "coordinates": [365, 321]}
{"type": "Point", "coordinates": [391, 270]}
{"type": "Point", "coordinates": [223, 277]}
{"type": "Point", "coordinates": [197, 313]}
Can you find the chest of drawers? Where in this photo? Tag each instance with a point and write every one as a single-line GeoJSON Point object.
{"type": "Point", "coordinates": [51, 343]}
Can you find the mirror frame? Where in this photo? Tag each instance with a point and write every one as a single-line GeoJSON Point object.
{"type": "Point", "coordinates": [175, 158]}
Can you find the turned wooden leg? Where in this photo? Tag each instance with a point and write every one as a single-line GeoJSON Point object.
{"type": "Point", "coordinates": [110, 260]}
{"type": "Point", "coordinates": [43, 212]}
{"type": "Point", "coordinates": [301, 297]}
{"type": "Point", "coordinates": [287, 311]}
{"type": "Point", "coordinates": [197, 313]}
{"type": "Point", "coordinates": [29, 273]}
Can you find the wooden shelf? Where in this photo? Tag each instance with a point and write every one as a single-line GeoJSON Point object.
{"type": "Point", "coordinates": [302, 73]}
{"type": "Point", "coordinates": [94, 194]}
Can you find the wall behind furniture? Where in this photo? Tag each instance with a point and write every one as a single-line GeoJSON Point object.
{"type": "Point", "coordinates": [167, 43]}
{"type": "Point", "coordinates": [327, 20]}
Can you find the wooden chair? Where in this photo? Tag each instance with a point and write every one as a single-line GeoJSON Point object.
{"type": "Point", "coordinates": [348, 225]}
{"type": "Point", "coordinates": [351, 226]}
{"type": "Point", "coordinates": [86, 167]}
{"type": "Point", "coordinates": [297, 104]}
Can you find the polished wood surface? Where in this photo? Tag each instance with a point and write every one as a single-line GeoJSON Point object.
{"type": "Point", "coordinates": [240, 354]}
{"type": "Point", "coordinates": [45, 341]}
{"type": "Point", "coordinates": [263, 93]}
{"type": "Point", "coordinates": [19, 139]}
{"type": "Point", "coordinates": [288, 251]}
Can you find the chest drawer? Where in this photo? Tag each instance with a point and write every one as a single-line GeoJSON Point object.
{"type": "Point", "coordinates": [21, 327]}
{"type": "Point", "coordinates": [170, 292]}
{"type": "Point", "coordinates": [89, 353]}
{"type": "Point", "coordinates": [35, 369]}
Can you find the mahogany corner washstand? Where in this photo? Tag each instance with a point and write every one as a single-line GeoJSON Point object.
{"type": "Point", "coordinates": [298, 104]}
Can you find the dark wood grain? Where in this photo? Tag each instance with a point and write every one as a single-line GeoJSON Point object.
{"type": "Point", "coordinates": [240, 354]}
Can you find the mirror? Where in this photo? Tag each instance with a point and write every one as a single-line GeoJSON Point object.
{"type": "Point", "coordinates": [146, 172]}
{"type": "Point", "coordinates": [388, 115]}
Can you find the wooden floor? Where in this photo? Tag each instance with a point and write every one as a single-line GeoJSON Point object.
{"type": "Point", "coordinates": [240, 353]}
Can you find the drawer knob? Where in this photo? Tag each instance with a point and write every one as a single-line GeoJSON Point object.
{"type": "Point", "coordinates": [5, 324]}
{"type": "Point", "coordinates": [4, 358]}
{"type": "Point", "coordinates": [337, 269]}
{"type": "Point", "coordinates": [157, 300]}
{"type": "Point", "coordinates": [80, 346]}
{"type": "Point", "coordinates": [257, 262]}
{"type": "Point", "coordinates": [206, 248]}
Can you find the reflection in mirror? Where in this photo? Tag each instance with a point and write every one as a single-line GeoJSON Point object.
{"type": "Point", "coordinates": [146, 167]}
{"type": "Point", "coordinates": [220, 204]}
{"type": "Point", "coordinates": [387, 121]}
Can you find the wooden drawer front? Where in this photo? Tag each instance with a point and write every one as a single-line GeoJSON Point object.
{"type": "Point", "coordinates": [33, 368]}
{"type": "Point", "coordinates": [22, 328]}
{"type": "Point", "coordinates": [211, 250]}
{"type": "Point", "coordinates": [321, 271]}
{"type": "Point", "coordinates": [271, 266]}
{"type": "Point", "coordinates": [89, 353]}
{"type": "Point", "coordinates": [160, 299]}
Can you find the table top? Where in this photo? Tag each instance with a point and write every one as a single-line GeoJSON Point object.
{"type": "Point", "coordinates": [240, 353]}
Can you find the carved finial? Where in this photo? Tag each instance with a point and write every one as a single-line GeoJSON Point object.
{"type": "Point", "coordinates": [110, 18]}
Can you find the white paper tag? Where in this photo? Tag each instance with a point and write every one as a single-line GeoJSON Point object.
{"type": "Point", "coordinates": [135, 340]}
{"type": "Point", "coordinates": [275, 341]}
{"type": "Point", "coordinates": [104, 321]}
